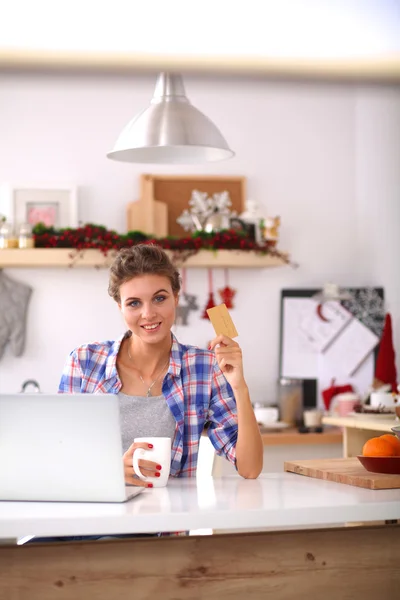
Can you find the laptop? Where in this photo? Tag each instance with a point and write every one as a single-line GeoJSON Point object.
{"type": "Point", "coordinates": [62, 448]}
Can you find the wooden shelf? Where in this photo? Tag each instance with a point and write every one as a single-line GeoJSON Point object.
{"type": "Point", "coordinates": [291, 437]}
{"type": "Point", "coordinates": [67, 257]}
{"type": "Point", "coordinates": [367, 424]}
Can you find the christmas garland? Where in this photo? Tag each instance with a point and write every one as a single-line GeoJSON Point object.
{"type": "Point", "coordinates": [100, 238]}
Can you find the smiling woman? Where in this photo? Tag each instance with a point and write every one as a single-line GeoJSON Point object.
{"type": "Point", "coordinates": [166, 389]}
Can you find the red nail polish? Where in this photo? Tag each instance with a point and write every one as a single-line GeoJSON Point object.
{"type": "Point", "coordinates": [149, 485]}
{"type": "Point", "coordinates": [150, 445]}
{"type": "Point", "coordinates": [159, 467]}
{"type": "Point", "coordinates": [209, 347]}
{"type": "Point", "coordinates": [157, 474]}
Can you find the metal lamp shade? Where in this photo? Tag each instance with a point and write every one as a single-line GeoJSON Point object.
{"type": "Point", "coordinates": [170, 130]}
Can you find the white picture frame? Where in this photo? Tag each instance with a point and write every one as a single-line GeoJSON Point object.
{"type": "Point", "coordinates": [56, 205]}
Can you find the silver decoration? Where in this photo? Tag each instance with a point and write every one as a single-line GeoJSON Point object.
{"type": "Point", "coordinates": [187, 303]}
{"type": "Point", "coordinates": [207, 213]}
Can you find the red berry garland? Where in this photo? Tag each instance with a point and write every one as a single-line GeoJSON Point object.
{"type": "Point", "coordinates": [97, 237]}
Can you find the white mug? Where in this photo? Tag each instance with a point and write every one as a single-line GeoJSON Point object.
{"type": "Point", "coordinates": [312, 418]}
{"type": "Point", "coordinates": [160, 454]}
{"type": "Point", "coordinates": [266, 414]}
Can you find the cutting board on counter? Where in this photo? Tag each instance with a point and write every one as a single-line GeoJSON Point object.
{"type": "Point", "coordinates": [343, 470]}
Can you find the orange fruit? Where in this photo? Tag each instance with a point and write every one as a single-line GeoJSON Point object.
{"type": "Point", "coordinates": [378, 447]}
{"type": "Point", "coordinates": [392, 439]}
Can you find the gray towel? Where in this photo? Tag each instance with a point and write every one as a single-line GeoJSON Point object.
{"type": "Point", "coordinates": [14, 301]}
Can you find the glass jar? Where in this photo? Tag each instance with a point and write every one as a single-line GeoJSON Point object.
{"type": "Point", "coordinates": [25, 236]}
{"type": "Point", "coordinates": [290, 400]}
{"type": "Point", "coordinates": [7, 237]}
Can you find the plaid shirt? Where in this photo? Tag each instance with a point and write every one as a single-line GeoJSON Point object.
{"type": "Point", "coordinates": [194, 388]}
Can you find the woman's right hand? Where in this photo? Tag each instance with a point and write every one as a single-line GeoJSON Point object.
{"type": "Point", "coordinates": [147, 467]}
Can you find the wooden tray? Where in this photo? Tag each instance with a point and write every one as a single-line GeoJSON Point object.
{"type": "Point", "coordinates": [343, 470]}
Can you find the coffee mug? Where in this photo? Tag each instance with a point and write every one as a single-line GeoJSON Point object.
{"type": "Point", "coordinates": [160, 454]}
{"type": "Point", "coordinates": [266, 414]}
{"type": "Point", "coordinates": [346, 403]}
{"type": "Point", "coordinates": [312, 418]}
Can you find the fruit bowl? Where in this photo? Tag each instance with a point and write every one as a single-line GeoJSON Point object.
{"type": "Point", "coordinates": [389, 465]}
{"type": "Point", "coordinates": [396, 431]}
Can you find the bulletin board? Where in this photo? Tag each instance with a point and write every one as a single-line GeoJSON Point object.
{"type": "Point", "coordinates": [176, 190]}
{"type": "Point", "coordinates": [296, 360]}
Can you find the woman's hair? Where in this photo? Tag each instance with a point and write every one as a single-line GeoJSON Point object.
{"type": "Point", "coordinates": [142, 259]}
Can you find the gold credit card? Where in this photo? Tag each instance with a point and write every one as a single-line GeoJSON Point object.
{"type": "Point", "coordinates": [222, 321]}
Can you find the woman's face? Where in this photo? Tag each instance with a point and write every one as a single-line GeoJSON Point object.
{"type": "Point", "coordinates": [148, 307]}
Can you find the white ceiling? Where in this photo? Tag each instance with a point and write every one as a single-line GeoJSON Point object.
{"type": "Point", "coordinates": [287, 29]}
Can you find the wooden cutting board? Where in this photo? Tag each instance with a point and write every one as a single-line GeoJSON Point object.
{"type": "Point", "coordinates": [343, 470]}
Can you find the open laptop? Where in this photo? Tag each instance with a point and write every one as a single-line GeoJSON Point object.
{"type": "Point", "coordinates": [62, 448]}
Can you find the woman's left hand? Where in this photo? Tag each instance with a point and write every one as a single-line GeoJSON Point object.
{"type": "Point", "coordinates": [229, 357]}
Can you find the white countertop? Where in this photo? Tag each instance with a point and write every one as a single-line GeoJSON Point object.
{"type": "Point", "coordinates": [275, 500]}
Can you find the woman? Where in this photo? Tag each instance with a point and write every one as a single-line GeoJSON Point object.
{"type": "Point", "coordinates": [165, 388]}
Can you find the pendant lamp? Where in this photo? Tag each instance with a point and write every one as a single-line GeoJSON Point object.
{"type": "Point", "coordinates": [170, 130]}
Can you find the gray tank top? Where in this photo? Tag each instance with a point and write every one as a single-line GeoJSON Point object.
{"type": "Point", "coordinates": [141, 416]}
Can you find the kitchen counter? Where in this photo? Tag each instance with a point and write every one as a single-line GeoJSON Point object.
{"type": "Point", "coordinates": [357, 430]}
{"type": "Point", "coordinates": [290, 547]}
{"type": "Point", "coordinates": [292, 437]}
{"type": "Point", "coordinates": [273, 500]}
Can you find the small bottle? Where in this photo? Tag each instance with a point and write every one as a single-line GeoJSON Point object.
{"type": "Point", "coordinates": [25, 237]}
{"type": "Point", "coordinates": [7, 237]}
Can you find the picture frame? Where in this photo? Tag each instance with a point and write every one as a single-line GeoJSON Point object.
{"type": "Point", "coordinates": [55, 205]}
{"type": "Point", "coordinates": [309, 376]}
{"type": "Point", "coordinates": [239, 225]}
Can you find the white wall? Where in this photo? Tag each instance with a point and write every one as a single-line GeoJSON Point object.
{"type": "Point", "coordinates": [378, 194]}
{"type": "Point", "coordinates": [313, 153]}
